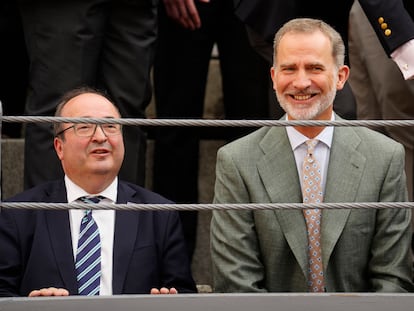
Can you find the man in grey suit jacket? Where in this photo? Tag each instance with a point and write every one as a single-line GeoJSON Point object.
{"type": "Point", "coordinates": [363, 250]}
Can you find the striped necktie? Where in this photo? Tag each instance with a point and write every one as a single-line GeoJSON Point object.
{"type": "Point", "coordinates": [312, 193]}
{"type": "Point", "coordinates": [88, 256]}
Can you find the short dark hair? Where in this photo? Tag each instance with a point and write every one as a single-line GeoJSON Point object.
{"type": "Point", "coordinates": [72, 94]}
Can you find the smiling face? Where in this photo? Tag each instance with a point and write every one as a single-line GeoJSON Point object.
{"type": "Point", "coordinates": [86, 160]}
{"type": "Point", "coordinates": [305, 76]}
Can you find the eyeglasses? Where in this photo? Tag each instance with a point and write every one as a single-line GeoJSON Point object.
{"type": "Point", "coordinates": [88, 130]}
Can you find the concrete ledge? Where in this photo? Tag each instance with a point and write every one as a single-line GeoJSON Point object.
{"type": "Point", "coordinates": [213, 302]}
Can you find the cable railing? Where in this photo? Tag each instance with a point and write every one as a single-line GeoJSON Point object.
{"type": "Point", "coordinates": [230, 302]}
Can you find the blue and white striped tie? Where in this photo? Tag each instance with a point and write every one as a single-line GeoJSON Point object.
{"type": "Point", "coordinates": [88, 256]}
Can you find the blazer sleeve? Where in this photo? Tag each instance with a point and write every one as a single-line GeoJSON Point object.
{"type": "Point", "coordinates": [10, 258]}
{"type": "Point", "coordinates": [391, 21]}
{"type": "Point", "coordinates": [390, 264]}
{"type": "Point", "coordinates": [176, 266]}
{"type": "Point", "coordinates": [234, 246]}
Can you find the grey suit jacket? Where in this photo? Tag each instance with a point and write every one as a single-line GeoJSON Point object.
{"type": "Point", "coordinates": [363, 249]}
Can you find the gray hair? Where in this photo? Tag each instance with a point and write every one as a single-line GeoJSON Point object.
{"type": "Point", "coordinates": [310, 25]}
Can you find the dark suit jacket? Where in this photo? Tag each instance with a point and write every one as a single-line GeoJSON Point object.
{"type": "Point", "coordinates": [36, 248]}
{"type": "Point", "coordinates": [267, 16]}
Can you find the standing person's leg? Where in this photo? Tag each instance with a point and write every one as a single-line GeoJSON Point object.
{"type": "Point", "coordinates": [245, 73]}
{"type": "Point", "coordinates": [180, 77]}
{"type": "Point", "coordinates": [64, 40]}
{"type": "Point", "coordinates": [124, 71]}
{"type": "Point", "coordinates": [378, 85]}
{"type": "Point", "coordinates": [14, 66]}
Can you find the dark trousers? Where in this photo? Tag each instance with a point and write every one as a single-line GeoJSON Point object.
{"type": "Point", "coordinates": [180, 77]}
{"type": "Point", "coordinates": [108, 44]}
{"type": "Point", "coordinates": [14, 66]}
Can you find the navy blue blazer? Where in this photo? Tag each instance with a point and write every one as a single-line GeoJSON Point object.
{"type": "Point", "coordinates": [36, 248]}
{"type": "Point", "coordinates": [397, 15]}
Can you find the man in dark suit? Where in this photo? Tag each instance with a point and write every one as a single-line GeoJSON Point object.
{"type": "Point", "coordinates": [141, 252]}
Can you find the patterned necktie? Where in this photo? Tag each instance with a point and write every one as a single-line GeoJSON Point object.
{"type": "Point", "coordinates": [88, 256]}
{"type": "Point", "coordinates": [312, 193]}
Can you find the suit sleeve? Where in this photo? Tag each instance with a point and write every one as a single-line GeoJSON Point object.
{"type": "Point", "coordinates": [176, 266]}
{"type": "Point", "coordinates": [234, 245]}
{"type": "Point", "coordinates": [10, 258]}
{"type": "Point", "coordinates": [390, 264]}
{"type": "Point", "coordinates": [391, 22]}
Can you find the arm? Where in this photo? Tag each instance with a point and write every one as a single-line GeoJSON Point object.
{"type": "Point", "coordinates": [16, 244]}
{"type": "Point", "coordinates": [176, 269]}
{"type": "Point", "coordinates": [234, 245]}
{"type": "Point", "coordinates": [10, 260]}
{"type": "Point", "coordinates": [391, 263]}
{"type": "Point", "coordinates": [394, 28]}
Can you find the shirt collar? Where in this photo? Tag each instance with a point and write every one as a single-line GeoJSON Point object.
{"type": "Point", "coordinates": [296, 138]}
{"type": "Point", "coordinates": [74, 192]}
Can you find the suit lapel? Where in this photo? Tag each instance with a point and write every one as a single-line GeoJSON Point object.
{"type": "Point", "coordinates": [278, 160]}
{"type": "Point", "coordinates": [126, 228]}
{"type": "Point", "coordinates": [60, 238]}
{"type": "Point", "coordinates": [346, 166]}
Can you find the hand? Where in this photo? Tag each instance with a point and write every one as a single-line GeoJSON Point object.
{"type": "Point", "coordinates": [184, 12]}
{"type": "Point", "coordinates": [51, 291]}
{"type": "Point", "coordinates": [163, 290]}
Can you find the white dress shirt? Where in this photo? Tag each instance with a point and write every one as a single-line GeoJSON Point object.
{"type": "Point", "coordinates": [322, 150]}
{"type": "Point", "coordinates": [403, 56]}
{"type": "Point", "coordinates": [105, 219]}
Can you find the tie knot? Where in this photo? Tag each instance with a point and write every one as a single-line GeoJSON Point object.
{"type": "Point", "coordinates": [92, 199]}
{"type": "Point", "coordinates": [311, 143]}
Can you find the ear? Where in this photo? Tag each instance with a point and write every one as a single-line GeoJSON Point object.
{"type": "Point", "coordinates": [57, 143]}
{"type": "Point", "coordinates": [343, 75]}
{"type": "Point", "coordinates": [273, 76]}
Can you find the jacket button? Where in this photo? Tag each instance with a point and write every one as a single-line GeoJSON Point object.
{"type": "Point", "coordinates": [384, 26]}
{"type": "Point", "coordinates": [387, 32]}
{"type": "Point", "coordinates": [380, 20]}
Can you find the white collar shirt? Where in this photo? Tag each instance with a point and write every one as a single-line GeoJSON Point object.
{"type": "Point", "coordinates": [322, 150]}
{"type": "Point", "coordinates": [104, 219]}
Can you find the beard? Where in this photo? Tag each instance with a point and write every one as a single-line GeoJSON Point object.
{"type": "Point", "coordinates": [306, 112]}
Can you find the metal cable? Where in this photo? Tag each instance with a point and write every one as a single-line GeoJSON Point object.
{"type": "Point", "coordinates": [203, 207]}
{"type": "Point", "coordinates": [209, 122]}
